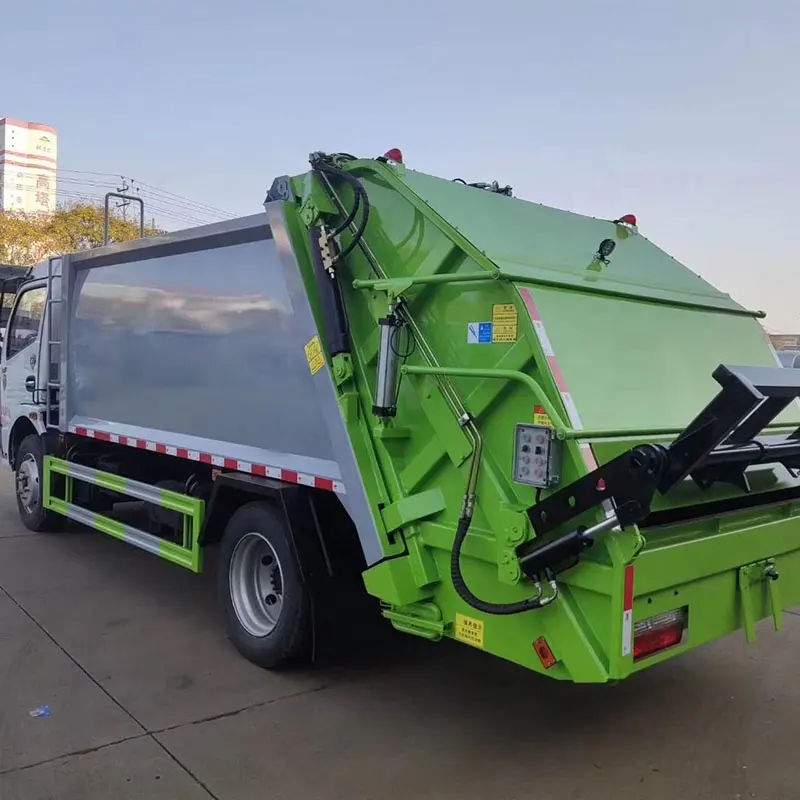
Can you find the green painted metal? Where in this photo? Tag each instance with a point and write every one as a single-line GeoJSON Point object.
{"type": "Point", "coordinates": [503, 375]}
{"type": "Point", "coordinates": [635, 342]}
{"type": "Point", "coordinates": [188, 554]}
{"type": "Point", "coordinates": [413, 508]}
{"type": "Point", "coordinates": [762, 574]}
{"type": "Point", "coordinates": [533, 244]}
{"type": "Point", "coordinates": [418, 619]}
{"type": "Point", "coordinates": [397, 285]}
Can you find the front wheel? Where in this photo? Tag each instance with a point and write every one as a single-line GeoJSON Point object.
{"type": "Point", "coordinates": [266, 603]}
{"type": "Point", "coordinates": [29, 477]}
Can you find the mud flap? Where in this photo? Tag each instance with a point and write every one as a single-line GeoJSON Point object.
{"type": "Point", "coordinates": [753, 578]}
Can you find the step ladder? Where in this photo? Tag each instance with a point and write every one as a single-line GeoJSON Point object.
{"type": "Point", "coordinates": [53, 383]}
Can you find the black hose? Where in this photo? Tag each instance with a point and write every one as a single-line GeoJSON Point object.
{"type": "Point", "coordinates": [497, 609]}
{"type": "Point", "coordinates": [358, 191]}
{"type": "Point", "coordinates": [361, 200]}
{"type": "Point", "coordinates": [350, 217]}
{"type": "Point", "coordinates": [358, 235]}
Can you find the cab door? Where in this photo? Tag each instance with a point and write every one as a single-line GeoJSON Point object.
{"type": "Point", "coordinates": [19, 365]}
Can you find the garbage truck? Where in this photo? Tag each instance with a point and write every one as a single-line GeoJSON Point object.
{"type": "Point", "coordinates": [526, 430]}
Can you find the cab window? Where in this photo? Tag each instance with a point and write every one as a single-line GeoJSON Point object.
{"type": "Point", "coordinates": [24, 327]}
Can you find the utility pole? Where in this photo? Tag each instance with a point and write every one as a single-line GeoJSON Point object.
{"type": "Point", "coordinates": [128, 186]}
{"type": "Point", "coordinates": [125, 203]}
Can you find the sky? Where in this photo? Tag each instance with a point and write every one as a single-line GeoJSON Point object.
{"type": "Point", "coordinates": [686, 114]}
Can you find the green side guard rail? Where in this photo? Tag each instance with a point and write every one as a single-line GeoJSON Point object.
{"type": "Point", "coordinates": [188, 554]}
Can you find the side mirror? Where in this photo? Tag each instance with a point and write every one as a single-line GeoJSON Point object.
{"type": "Point", "coordinates": [30, 383]}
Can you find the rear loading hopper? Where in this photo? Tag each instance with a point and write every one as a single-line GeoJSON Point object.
{"type": "Point", "coordinates": [546, 438]}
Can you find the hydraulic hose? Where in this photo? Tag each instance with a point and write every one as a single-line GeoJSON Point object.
{"type": "Point", "coordinates": [358, 235]}
{"type": "Point", "coordinates": [350, 217]}
{"type": "Point", "coordinates": [539, 600]}
{"type": "Point", "coordinates": [361, 201]}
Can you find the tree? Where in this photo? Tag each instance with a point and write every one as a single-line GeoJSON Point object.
{"type": "Point", "coordinates": [27, 239]}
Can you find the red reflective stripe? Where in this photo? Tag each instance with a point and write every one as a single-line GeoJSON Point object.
{"type": "Point", "coordinates": [588, 457]}
{"type": "Point", "coordinates": [287, 475]}
{"type": "Point", "coordinates": [527, 298]}
{"type": "Point", "coordinates": [558, 375]}
{"type": "Point", "coordinates": [627, 603]}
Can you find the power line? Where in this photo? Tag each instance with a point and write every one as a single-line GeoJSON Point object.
{"type": "Point", "coordinates": [97, 198]}
{"type": "Point", "coordinates": [94, 198]}
{"type": "Point", "coordinates": [170, 203]}
{"type": "Point", "coordinates": [182, 199]}
{"type": "Point", "coordinates": [151, 199]}
{"type": "Point", "coordinates": [166, 206]}
{"type": "Point", "coordinates": [156, 189]}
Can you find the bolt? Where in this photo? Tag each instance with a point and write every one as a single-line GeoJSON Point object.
{"type": "Point", "coordinates": [513, 534]}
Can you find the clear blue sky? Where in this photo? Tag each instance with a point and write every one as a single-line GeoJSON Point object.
{"type": "Point", "coordinates": [684, 113]}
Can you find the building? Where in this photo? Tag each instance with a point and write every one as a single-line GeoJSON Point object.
{"type": "Point", "coordinates": [785, 341]}
{"type": "Point", "coordinates": [28, 161]}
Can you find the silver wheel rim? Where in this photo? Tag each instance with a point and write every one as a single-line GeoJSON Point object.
{"type": "Point", "coordinates": [28, 483]}
{"type": "Point", "coordinates": [255, 579]}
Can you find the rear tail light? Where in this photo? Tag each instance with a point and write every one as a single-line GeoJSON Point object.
{"type": "Point", "coordinates": [654, 634]}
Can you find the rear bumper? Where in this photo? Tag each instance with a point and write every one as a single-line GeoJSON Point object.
{"type": "Point", "coordinates": [726, 580]}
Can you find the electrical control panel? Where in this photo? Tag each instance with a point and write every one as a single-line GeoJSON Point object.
{"type": "Point", "coordinates": [537, 456]}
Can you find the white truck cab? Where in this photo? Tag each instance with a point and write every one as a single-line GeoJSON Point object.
{"type": "Point", "coordinates": [27, 365]}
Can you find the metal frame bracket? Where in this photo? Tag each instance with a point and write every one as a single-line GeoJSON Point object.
{"type": "Point", "coordinates": [757, 574]}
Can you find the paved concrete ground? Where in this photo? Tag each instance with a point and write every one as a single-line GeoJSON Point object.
{"type": "Point", "coordinates": [147, 700]}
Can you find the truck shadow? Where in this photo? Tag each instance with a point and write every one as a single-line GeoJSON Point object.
{"type": "Point", "coordinates": [451, 685]}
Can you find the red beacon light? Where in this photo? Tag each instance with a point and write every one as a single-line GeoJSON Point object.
{"type": "Point", "coordinates": [395, 154]}
{"type": "Point", "coordinates": [627, 219]}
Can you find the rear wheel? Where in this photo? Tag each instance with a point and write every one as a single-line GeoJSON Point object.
{"type": "Point", "coordinates": [29, 481]}
{"type": "Point", "coordinates": [266, 603]}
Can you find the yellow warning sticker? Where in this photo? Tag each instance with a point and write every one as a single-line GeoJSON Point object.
{"type": "Point", "coordinates": [469, 630]}
{"type": "Point", "coordinates": [540, 417]}
{"type": "Point", "coordinates": [315, 356]}
{"type": "Point", "coordinates": [504, 323]}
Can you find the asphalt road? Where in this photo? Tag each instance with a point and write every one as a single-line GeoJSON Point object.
{"type": "Point", "coordinates": [145, 699]}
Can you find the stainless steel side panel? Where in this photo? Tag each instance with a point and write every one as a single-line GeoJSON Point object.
{"type": "Point", "coordinates": [202, 335]}
{"type": "Point", "coordinates": [355, 501]}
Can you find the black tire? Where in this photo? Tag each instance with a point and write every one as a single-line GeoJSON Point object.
{"type": "Point", "coordinates": [255, 528]}
{"type": "Point", "coordinates": [32, 513]}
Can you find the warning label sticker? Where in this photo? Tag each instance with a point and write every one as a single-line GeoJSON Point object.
{"type": "Point", "coordinates": [479, 333]}
{"type": "Point", "coordinates": [469, 630]}
{"type": "Point", "coordinates": [504, 323]}
{"type": "Point", "coordinates": [314, 355]}
{"type": "Point", "coordinates": [540, 417]}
